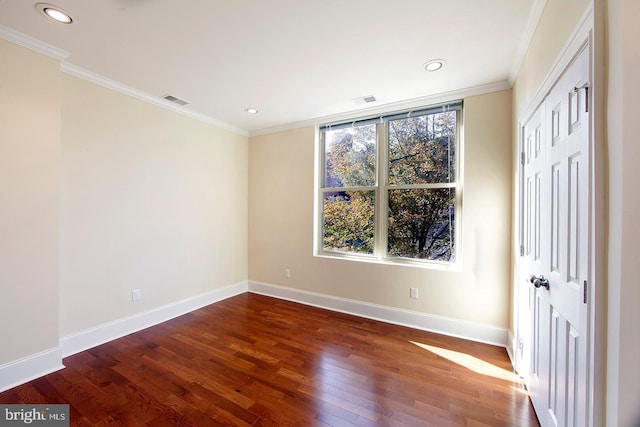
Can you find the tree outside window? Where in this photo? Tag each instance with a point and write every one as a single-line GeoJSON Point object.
{"type": "Point", "coordinates": [389, 186]}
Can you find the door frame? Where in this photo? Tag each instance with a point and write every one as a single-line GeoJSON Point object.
{"type": "Point", "coordinates": [588, 33]}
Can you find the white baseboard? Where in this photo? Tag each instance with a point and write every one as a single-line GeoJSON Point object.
{"type": "Point", "coordinates": [88, 338]}
{"type": "Point", "coordinates": [427, 322]}
{"type": "Point", "coordinates": [29, 368]}
{"type": "Point", "coordinates": [37, 365]}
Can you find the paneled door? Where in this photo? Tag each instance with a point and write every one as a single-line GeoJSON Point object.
{"type": "Point", "coordinates": [555, 248]}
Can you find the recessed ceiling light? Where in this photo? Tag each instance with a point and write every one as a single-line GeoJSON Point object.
{"type": "Point", "coordinates": [55, 13]}
{"type": "Point", "coordinates": [434, 65]}
{"type": "Point", "coordinates": [251, 110]}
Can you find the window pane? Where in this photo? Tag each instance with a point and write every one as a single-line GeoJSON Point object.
{"type": "Point", "coordinates": [348, 222]}
{"type": "Point", "coordinates": [421, 224]}
{"type": "Point", "coordinates": [422, 149]}
{"type": "Point", "coordinates": [350, 157]}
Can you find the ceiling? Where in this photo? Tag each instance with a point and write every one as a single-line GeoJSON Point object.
{"type": "Point", "coordinates": [293, 60]}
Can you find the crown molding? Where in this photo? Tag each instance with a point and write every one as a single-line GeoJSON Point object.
{"type": "Point", "coordinates": [527, 37]}
{"type": "Point", "coordinates": [32, 43]}
{"type": "Point", "coordinates": [36, 45]}
{"type": "Point", "coordinates": [580, 37]}
{"type": "Point", "coordinates": [92, 77]}
{"type": "Point", "coordinates": [389, 107]}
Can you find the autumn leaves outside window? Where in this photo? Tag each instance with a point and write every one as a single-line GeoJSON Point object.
{"type": "Point", "coordinates": [389, 186]}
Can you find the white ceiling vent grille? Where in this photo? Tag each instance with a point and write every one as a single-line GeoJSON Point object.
{"type": "Point", "coordinates": [364, 100]}
{"type": "Point", "coordinates": [175, 100]}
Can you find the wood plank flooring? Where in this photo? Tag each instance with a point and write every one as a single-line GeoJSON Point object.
{"type": "Point", "coordinates": [252, 360]}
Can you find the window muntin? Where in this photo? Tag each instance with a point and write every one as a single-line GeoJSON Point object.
{"type": "Point", "coordinates": [389, 188]}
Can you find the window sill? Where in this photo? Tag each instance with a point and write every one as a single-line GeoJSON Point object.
{"type": "Point", "coordinates": [427, 265]}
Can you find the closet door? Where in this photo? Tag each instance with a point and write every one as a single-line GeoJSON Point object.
{"type": "Point", "coordinates": [556, 244]}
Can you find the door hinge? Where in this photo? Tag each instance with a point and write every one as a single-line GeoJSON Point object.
{"type": "Point", "coordinates": [584, 292]}
{"type": "Point", "coordinates": [522, 158]}
{"type": "Point", "coordinates": [521, 250]}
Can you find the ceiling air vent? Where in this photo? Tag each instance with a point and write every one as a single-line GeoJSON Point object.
{"type": "Point", "coordinates": [175, 100]}
{"type": "Point", "coordinates": [364, 100]}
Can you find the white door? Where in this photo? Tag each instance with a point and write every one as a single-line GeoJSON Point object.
{"type": "Point", "coordinates": [555, 253]}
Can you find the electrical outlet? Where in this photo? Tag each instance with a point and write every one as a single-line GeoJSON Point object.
{"type": "Point", "coordinates": [413, 293]}
{"type": "Point", "coordinates": [135, 295]}
{"type": "Point", "coordinates": [287, 273]}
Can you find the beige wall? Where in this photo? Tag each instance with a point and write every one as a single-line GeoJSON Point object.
{"type": "Point", "coordinates": [623, 130]}
{"type": "Point", "coordinates": [281, 196]}
{"type": "Point", "coordinates": [29, 202]}
{"type": "Point", "coordinates": [133, 196]}
{"type": "Point", "coordinates": [100, 194]}
{"type": "Point", "coordinates": [151, 200]}
{"type": "Point", "coordinates": [556, 24]}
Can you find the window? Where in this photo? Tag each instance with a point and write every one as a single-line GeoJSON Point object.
{"type": "Point", "coordinates": [389, 186]}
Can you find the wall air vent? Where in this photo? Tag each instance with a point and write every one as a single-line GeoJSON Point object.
{"type": "Point", "coordinates": [175, 100]}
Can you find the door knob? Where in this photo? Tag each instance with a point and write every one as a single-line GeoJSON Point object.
{"type": "Point", "coordinates": [539, 282]}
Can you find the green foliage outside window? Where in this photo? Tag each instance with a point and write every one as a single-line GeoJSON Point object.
{"type": "Point", "coordinates": [419, 187]}
{"type": "Point", "coordinates": [349, 222]}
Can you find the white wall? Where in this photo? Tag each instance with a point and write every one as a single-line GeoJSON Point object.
{"type": "Point", "coordinates": [281, 196]}
{"type": "Point", "coordinates": [151, 200]}
{"type": "Point", "coordinates": [29, 202]}
{"type": "Point", "coordinates": [623, 143]}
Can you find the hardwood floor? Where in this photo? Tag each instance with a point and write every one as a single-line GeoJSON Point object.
{"type": "Point", "coordinates": [256, 361]}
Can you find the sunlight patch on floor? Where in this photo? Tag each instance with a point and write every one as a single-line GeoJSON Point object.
{"type": "Point", "coordinates": [470, 362]}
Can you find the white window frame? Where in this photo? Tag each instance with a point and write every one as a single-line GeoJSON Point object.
{"type": "Point", "coordinates": [382, 187]}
